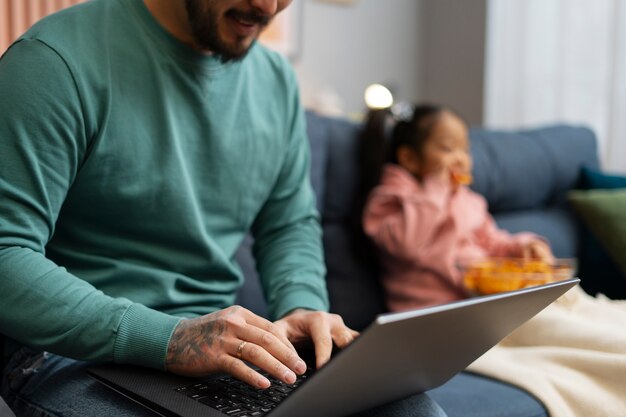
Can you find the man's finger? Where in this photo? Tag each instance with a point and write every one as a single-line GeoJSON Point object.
{"type": "Point", "coordinates": [322, 340]}
{"type": "Point", "coordinates": [344, 336]}
{"type": "Point", "coordinates": [268, 326]}
{"type": "Point", "coordinates": [258, 356]}
{"type": "Point", "coordinates": [240, 370]}
{"type": "Point", "coordinates": [273, 347]}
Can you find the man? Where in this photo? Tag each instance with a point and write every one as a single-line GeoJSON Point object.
{"type": "Point", "coordinates": [138, 147]}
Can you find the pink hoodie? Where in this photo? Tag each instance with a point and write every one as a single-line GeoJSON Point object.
{"type": "Point", "coordinates": [424, 230]}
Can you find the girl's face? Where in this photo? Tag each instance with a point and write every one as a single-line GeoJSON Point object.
{"type": "Point", "coordinates": [445, 152]}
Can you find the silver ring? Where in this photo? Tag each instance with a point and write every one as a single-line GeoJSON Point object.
{"type": "Point", "coordinates": [240, 349]}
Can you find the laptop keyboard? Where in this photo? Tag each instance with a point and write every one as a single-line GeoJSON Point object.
{"type": "Point", "coordinates": [235, 398]}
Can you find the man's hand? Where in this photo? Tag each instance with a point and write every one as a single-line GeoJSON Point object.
{"type": "Point", "coordinates": [222, 341]}
{"type": "Point", "coordinates": [319, 327]}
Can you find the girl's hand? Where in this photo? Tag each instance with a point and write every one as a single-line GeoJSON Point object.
{"type": "Point", "coordinates": [538, 249]}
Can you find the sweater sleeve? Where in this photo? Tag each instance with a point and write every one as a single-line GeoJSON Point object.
{"type": "Point", "coordinates": [500, 243]}
{"type": "Point", "coordinates": [287, 231]}
{"type": "Point", "coordinates": [403, 224]}
{"type": "Point", "coordinates": [44, 136]}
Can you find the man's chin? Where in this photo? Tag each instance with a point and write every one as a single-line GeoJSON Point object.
{"type": "Point", "coordinates": [232, 55]}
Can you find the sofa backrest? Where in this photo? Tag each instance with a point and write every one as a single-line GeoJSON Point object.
{"type": "Point", "coordinates": [525, 176]}
{"type": "Point", "coordinates": [526, 169]}
{"type": "Point", "coordinates": [352, 276]}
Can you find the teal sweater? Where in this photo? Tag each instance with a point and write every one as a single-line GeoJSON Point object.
{"type": "Point", "coordinates": [131, 168]}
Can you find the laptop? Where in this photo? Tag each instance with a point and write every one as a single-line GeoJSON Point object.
{"type": "Point", "coordinates": [398, 355]}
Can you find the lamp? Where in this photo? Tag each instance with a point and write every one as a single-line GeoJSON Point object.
{"type": "Point", "coordinates": [377, 96]}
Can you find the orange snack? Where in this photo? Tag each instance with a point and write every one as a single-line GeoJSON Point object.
{"type": "Point", "coordinates": [495, 275]}
{"type": "Point", "coordinates": [462, 179]}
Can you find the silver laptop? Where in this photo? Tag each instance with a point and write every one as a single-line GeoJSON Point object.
{"type": "Point", "coordinates": [399, 354]}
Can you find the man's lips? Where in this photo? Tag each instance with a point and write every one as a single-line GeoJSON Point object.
{"type": "Point", "coordinates": [243, 28]}
{"type": "Point", "coordinates": [247, 23]}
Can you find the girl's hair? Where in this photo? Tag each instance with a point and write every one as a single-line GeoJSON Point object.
{"type": "Point", "coordinates": [379, 142]}
{"type": "Point", "coordinates": [382, 135]}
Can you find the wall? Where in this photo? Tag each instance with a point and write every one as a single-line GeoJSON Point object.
{"type": "Point", "coordinates": [421, 49]}
{"type": "Point", "coordinates": [453, 58]}
{"type": "Point", "coordinates": [343, 49]}
{"type": "Point", "coordinates": [424, 50]}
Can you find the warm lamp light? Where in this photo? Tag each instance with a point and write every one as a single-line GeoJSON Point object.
{"type": "Point", "coordinates": [377, 96]}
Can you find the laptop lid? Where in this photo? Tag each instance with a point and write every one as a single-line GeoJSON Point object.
{"type": "Point", "coordinates": [399, 354]}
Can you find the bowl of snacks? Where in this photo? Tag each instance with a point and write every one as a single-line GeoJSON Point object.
{"type": "Point", "coordinates": [494, 275]}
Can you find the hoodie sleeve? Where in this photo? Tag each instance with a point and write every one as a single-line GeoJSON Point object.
{"type": "Point", "coordinates": [500, 243]}
{"type": "Point", "coordinates": [42, 143]}
{"type": "Point", "coordinates": [402, 222]}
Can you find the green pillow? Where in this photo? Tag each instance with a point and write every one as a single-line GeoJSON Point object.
{"type": "Point", "coordinates": [591, 178]}
{"type": "Point", "coordinates": [604, 212]}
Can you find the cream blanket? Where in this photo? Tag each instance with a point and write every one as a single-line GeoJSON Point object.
{"type": "Point", "coordinates": [572, 356]}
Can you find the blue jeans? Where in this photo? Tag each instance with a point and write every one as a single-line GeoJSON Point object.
{"type": "Point", "coordinates": [45, 385]}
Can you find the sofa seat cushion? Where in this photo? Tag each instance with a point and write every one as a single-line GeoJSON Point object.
{"type": "Point", "coordinates": [467, 395]}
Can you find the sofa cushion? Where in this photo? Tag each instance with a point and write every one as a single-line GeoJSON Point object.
{"type": "Point", "coordinates": [342, 171]}
{"type": "Point", "coordinates": [353, 286]}
{"type": "Point", "coordinates": [598, 272]}
{"type": "Point", "coordinates": [467, 395]}
{"type": "Point", "coordinates": [602, 212]}
{"type": "Point", "coordinates": [556, 223]}
{"type": "Point", "coordinates": [352, 277]}
{"type": "Point", "coordinates": [525, 169]}
{"type": "Point", "coordinates": [318, 133]}
{"type": "Point", "coordinates": [594, 178]}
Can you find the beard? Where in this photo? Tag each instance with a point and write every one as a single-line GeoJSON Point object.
{"type": "Point", "coordinates": [204, 22]}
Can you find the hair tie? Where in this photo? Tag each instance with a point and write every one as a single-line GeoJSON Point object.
{"type": "Point", "coordinates": [402, 111]}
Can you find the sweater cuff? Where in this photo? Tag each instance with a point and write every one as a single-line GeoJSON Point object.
{"type": "Point", "coordinates": [299, 299]}
{"type": "Point", "coordinates": [143, 336]}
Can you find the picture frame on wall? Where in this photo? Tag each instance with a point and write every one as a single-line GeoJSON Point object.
{"type": "Point", "coordinates": [284, 32]}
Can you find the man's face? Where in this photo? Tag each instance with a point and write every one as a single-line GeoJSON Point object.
{"type": "Point", "coordinates": [229, 27]}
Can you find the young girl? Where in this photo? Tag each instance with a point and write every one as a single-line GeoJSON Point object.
{"type": "Point", "coordinates": [425, 222]}
{"type": "Point", "coordinates": [421, 215]}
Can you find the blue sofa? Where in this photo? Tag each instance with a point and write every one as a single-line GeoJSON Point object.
{"type": "Point", "coordinates": [524, 175]}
